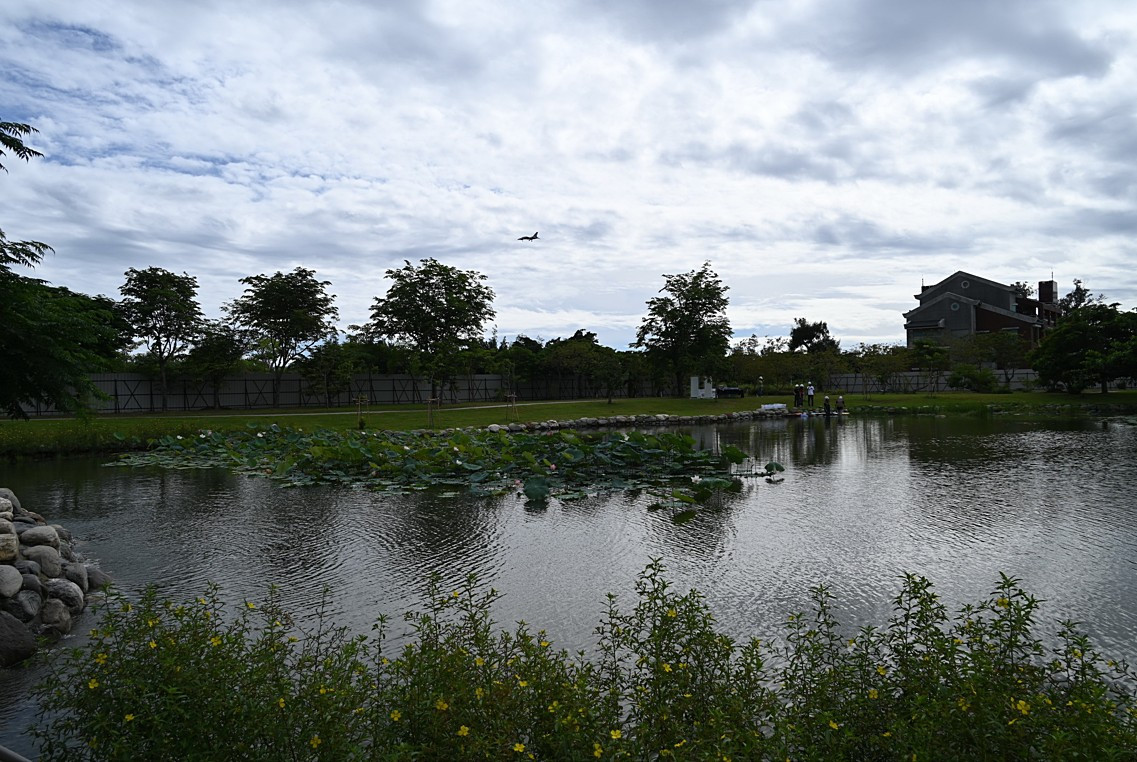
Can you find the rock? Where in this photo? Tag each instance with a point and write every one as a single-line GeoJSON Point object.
{"type": "Point", "coordinates": [65, 551]}
{"type": "Point", "coordinates": [68, 592]}
{"type": "Point", "coordinates": [47, 557]}
{"type": "Point", "coordinates": [24, 566]}
{"type": "Point", "coordinates": [25, 606]}
{"type": "Point", "coordinates": [64, 534]}
{"type": "Point", "coordinates": [55, 618]}
{"type": "Point", "coordinates": [16, 642]}
{"type": "Point", "coordinates": [40, 535]}
{"type": "Point", "coordinates": [77, 573]}
{"type": "Point", "coordinates": [6, 526]}
{"type": "Point", "coordinates": [10, 581]}
{"type": "Point", "coordinates": [10, 496]}
{"type": "Point", "coordinates": [37, 518]}
{"type": "Point", "coordinates": [493, 428]}
{"type": "Point", "coordinates": [31, 582]}
{"type": "Point", "coordinates": [97, 579]}
{"type": "Point", "coordinates": [9, 548]}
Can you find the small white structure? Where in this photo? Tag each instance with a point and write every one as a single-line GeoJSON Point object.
{"type": "Point", "coordinates": [702, 388]}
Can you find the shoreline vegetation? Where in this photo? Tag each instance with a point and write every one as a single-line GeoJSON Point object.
{"type": "Point", "coordinates": [110, 434]}
{"type": "Point", "coordinates": [161, 679]}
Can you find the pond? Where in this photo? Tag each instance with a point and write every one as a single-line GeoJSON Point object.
{"type": "Point", "coordinates": [958, 500]}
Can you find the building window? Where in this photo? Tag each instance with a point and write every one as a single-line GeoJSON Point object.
{"type": "Point", "coordinates": [965, 284]}
{"type": "Point", "coordinates": [954, 306]}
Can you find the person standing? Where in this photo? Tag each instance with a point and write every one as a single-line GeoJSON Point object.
{"type": "Point", "coordinates": [809, 393]}
{"type": "Point", "coordinates": [828, 410]}
{"type": "Point", "coordinates": [840, 404]}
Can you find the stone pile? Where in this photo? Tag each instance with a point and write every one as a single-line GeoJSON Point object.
{"type": "Point", "coordinates": [44, 584]}
{"type": "Point", "coordinates": [636, 421]}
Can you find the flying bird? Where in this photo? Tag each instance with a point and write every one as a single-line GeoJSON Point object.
{"type": "Point", "coordinates": [528, 237]}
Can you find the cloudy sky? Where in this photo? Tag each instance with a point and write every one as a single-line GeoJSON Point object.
{"type": "Point", "coordinates": [824, 157]}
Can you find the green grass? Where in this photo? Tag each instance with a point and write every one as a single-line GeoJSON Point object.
{"type": "Point", "coordinates": [115, 433]}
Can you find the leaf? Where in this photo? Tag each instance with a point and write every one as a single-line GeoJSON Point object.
{"type": "Point", "coordinates": [733, 454]}
{"type": "Point", "coordinates": [536, 488]}
{"type": "Point", "coordinates": [773, 466]}
{"type": "Point", "coordinates": [684, 516]}
{"type": "Point", "coordinates": [682, 497]}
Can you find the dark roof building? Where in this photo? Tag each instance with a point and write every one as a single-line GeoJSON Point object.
{"type": "Point", "coordinates": [963, 305]}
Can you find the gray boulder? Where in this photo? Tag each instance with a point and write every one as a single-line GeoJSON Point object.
{"type": "Point", "coordinates": [65, 551]}
{"type": "Point", "coordinates": [16, 642]}
{"type": "Point", "coordinates": [97, 579]}
{"type": "Point", "coordinates": [10, 581]}
{"type": "Point", "coordinates": [68, 592]}
{"type": "Point", "coordinates": [25, 606]}
{"type": "Point", "coordinates": [47, 557]}
{"type": "Point", "coordinates": [55, 618]}
{"type": "Point", "coordinates": [77, 573]}
{"type": "Point", "coordinates": [10, 496]}
{"type": "Point", "coordinates": [9, 548]}
{"type": "Point", "coordinates": [31, 582]}
{"type": "Point", "coordinates": [63, 532]}
{"type": "Point", "coordinates": [40, 535]}
{"type": "Point", "coordinates": [6, 526]}
{"type": "Point", "coordinates": [24, 566]}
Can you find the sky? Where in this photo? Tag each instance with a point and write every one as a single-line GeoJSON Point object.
{"type": "Point", "coordinates": [826, 158]}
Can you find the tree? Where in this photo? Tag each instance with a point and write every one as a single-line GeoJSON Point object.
{"type": "Point", "coordinates": [50, 338]}
{"type": "Point", "coordinates": [216, 354]}
{"type": "Point", "coordinates": [1092, 344]}
{"type": "Point", "coordinates": [812, 337]}
{"type": "Point", "coordinates": [1078, 297]}
{"type": "Point", "coordinates": [286, 315]}
{"type": "Point", "coordinates": [687, 332]}
{"type": "Point", "coordinates": [435, 309]}
{"type": "Point", "coordinates": [931, 358]}
{"type": "Point", "coordinates": [1022, 289]}
{"type": "Point", "coordinates": [329, 369]}
{"type": "Point", "coordinates": [162, 311]}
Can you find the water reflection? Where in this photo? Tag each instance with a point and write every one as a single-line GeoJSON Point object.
{"type": "Point", "coordinates": [864, 500]}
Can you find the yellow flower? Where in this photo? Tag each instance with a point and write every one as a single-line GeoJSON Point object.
{"type": "Point", "coordinates": [314, 741]}
{"type": "Point", "coordinates": [615, 734]}
{"type": "Point", "coordinates": [129, 718]}
{"type": "Point", "coordinates": [1003, 603]}
{"type": "Point", "coordinates": [833, 724]}
{"type": "Point", "coordinates": [250, 605]}
{"type": "Point", "coordinates": [153, 644]}
{"type": "Point", "coordinates": [519, 747]}
{"type": "Point", "coordinates": [478, 692]}
{"type": "Point", "coordinates": [215, 640]}
{"type": "Point", "coordinates": [963, 704]}
{"type": "Point", "coordinates": [100, 658]}
{"type": "Point", "coordinates": [887, 734]}
{"type": "Point", "coordinates": [680, 743]}
{"type": "Point", "coordinates": [553, 706]}
{"type": "Point", "coordinates": [479, 661]}
{"type": "Point", "coordinates": [463, 731]}
{"type": "Point", "coordinates": [280, 702]}
{"type": "Point", "coordinates": [672, 613]}
{"type": "Point", "coordinates": [441, 705]}
{"type": "Point", "coordinates": [666, 667]}
{"type": "Point", "coordinates": [873, 693]}
{"type": "Point", "coordinates": [523, 683]}
{"type": "Point", "coordinates": [545, 644]}
{"type": "Point", "coordinates": [93, 684]}
{"type": "Point", "coordinates": [1022, 706]}
{"type": "Point", "coordinates": [396, 714]}
{"type": "Point", "coordinates": [881, 671]}
{"type": "Point", "coordinates": [597, 750]}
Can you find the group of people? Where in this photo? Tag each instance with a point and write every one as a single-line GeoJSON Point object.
{"type": "Point", "coordinates": [804, 394]}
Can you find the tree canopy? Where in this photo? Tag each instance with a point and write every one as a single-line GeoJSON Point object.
{"type": "Point", "coordinates": [1094, 344]}
{"type": "Point", "coordinates": [286, 314]}
{"type": "Point", "coordinates": [436, 310]}
{"type": "Point", "coordinates": [812, 337]}
{"type": "Point", "coordinates": [162, 311]}
{"type": "Point", "coordinates": [686, 331]}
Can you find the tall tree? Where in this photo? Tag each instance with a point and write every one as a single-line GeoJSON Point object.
{"type": "Point", "coordinates": [24, 253]}
{"type": "Point", "coordinates": [435, 309]}
{"type": "Point", "coordinates": [1091, 345]}
{"type": "Point", "coordinates": [162, 311]}
{"type": "Point", "coordinates": [286, 314]}
{"type": "Point", "coordinates": [1079, 296]}
{"type": "Point", "coordinates": [686, 331]}
{"type": "Point", "coordinates": [329, 369]}
{"type": "Point", "coordinates": [812, 337]}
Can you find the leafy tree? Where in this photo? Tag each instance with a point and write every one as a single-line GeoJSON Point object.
{"type": "Point", "coordinates": [1078, 297]}
{"type": "Point", "coordinates": [286, 314]}
{"type": "Point", "coordinates": [50, 338]}
{"type": "Point", "coordinates": [812, 337]}
{"type": "Point", "coordinates": [329, 369]}
{"type": "Point", "coordinates": [217, 354]}
{"type": "Point", "coordinates": [435, 309]}
{"type": "Point", "coordinates": [687, 332]}
{"type": "Point", "coordinates": [162, 311]}
{"type": "Point", "coordinates": [931, 358]}
{"type": "Point", "coordinates": [1023, 289]}
{"type": "Point", "coordinates": [1092, 344]}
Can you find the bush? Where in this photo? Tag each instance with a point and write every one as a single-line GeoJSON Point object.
{"type": "Point", "coordinates": [197, 682]}
{"type": "Point", "coordinates": [973, 379]}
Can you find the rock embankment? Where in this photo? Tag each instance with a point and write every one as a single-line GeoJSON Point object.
{"type": "Point", "coordinates": [44, 583]}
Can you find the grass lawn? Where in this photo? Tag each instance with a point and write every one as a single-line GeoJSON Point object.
{"type": "Point", "coordinates": [111, 433]}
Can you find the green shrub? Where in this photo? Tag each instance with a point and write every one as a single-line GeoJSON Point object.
{"type": "Point", "coordinates": [199, 682]}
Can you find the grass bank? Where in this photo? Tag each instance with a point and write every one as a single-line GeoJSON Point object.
{"type": "Point", "coordinates": [117, 433]}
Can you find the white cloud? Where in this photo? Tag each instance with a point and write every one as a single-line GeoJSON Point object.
{"type": "Point", "coordinates": [823, 157]}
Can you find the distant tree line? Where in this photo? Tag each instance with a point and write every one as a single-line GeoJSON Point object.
{"type": "Point", "coordinates": [432, 324]}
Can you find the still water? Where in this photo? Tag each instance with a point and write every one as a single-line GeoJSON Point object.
{"type": "Point", "coordinates": [955, 499]}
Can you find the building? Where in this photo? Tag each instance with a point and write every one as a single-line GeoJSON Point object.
{"type": "Point", "coordinates": [963, 305]}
